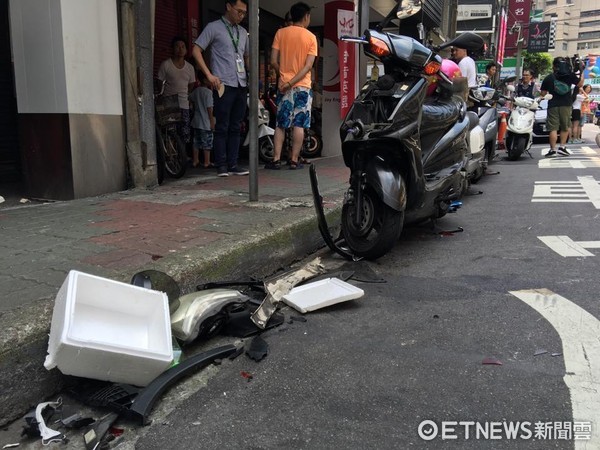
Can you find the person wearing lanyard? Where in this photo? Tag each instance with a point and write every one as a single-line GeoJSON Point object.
{"type": "Point", "coordinates": [227, 42]}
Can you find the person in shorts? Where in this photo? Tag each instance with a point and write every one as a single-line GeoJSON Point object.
{"type": "Point", "coordinates": [292, 55]}
{"type": "Point", "coordinates": [203, 122]}
{"type": "Point", "coordinates": [560, 105]}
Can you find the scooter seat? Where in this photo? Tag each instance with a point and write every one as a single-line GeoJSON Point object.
{"type": "Point", "coordinates": [439, 115]}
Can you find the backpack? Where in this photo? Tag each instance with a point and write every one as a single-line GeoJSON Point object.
{"type": "Point", "coordinates": [561, 88]}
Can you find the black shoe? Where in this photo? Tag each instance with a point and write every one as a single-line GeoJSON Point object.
{"type": "Point", "coordinates": [238, 171]}
{"type": "Point", "coordinates": [273, 165]}
{"type": "Point", "coordinates": [551, 154]}
{"type": "Point", "coordinates": [222, 172]}
{"type": "Point", "coordinates": [563, 151]}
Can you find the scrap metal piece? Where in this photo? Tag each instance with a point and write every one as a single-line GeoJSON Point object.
{"type": "Point", "coordinates": [280, 286]}
{"type": "Point", "coordinates": [540, 352]}
{"type": "Point", "coordinates": [144, 402]}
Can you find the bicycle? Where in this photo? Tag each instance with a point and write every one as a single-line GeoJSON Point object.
{"type": "Point", "coordinates": [171, 156]}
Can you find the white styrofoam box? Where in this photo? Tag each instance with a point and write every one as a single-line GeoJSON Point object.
{"type": "Point", "coordinates": [320, 294]}
{"type": "Point", "coordinates": [108, 330]}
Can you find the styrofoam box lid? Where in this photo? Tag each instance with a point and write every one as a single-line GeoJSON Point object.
{"type": "Point", "coordinates": [103, 314]}
{"type": "Point", "coordinates": [320, 294]}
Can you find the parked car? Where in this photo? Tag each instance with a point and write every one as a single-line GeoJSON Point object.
{"type": "Point", "coordinates": [540, 132]}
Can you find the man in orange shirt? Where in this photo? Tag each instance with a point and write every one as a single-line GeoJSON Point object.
{"type": "Point", "coordinates": [293, 54]}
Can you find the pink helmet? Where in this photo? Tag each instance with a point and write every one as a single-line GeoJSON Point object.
{"type": "Point", "coordinates": [450, 69]}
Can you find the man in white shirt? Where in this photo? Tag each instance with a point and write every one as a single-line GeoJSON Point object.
{"type": "Point", "coordinates": [467, 65]}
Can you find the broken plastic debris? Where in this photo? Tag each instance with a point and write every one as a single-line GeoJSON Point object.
{"type": "Point", "coordinates": [556, 354]}
{"type": "Point", "coordinates": [297, 319]}
{"type": "Point", "coordinates": [2, 201]}
{"type": "Point", "coordinates": [17, 444]}
{"type": "Point", "coordinates": [491, 361]}
{"type": "Point", "coordinates": [24, 200]}
{"type": "Point", "coordinates": [48, 435]}
{"type": "Point", "coordinates": [540, 352]}
{"type": "Point", "coordinates": [257, 349]}
{"type": "Point", "coordinates": [320, 294]}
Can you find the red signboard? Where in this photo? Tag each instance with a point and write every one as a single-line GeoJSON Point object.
{"type": "Point", "coordinates": [518, 14]}
{"type": "Point", "coordinates": [347, 25]}
{"type": "Point", "coordinates": [501, 38]}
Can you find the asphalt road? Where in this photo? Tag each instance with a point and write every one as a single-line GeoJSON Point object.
{"type": "Point", "coordinates": [367, 373]}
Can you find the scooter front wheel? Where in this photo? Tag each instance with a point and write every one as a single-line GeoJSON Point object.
{"type": "Point", "coordinates": [376, 230]}
{"type": "Point", "coordinates": [516, 147]}
{"type": "Point", "coordinates": [266, 149]}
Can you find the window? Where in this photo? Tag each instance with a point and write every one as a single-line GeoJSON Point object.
{"type": "Point", "coordinates": [591, 23]}
{"type": "Point", "coordinates": [592, 13]}
{"type": "Point", "coordinates": [589, 35]}
{"type": "Point", "coordinates": [565, 46]}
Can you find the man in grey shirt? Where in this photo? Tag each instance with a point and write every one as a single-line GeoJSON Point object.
{"type": "Point", "coordinates": [228, 45]}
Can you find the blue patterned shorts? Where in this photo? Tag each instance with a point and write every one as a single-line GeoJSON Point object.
{"type": "Point", "coordinates": [203, 139]}
{"type": "Point", "coordinates": [293, 108]}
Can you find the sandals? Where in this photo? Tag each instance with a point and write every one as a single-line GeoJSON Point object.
{"type": "Point", "coordinates": [295, 165]}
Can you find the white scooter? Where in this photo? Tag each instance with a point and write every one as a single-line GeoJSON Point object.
{"type": "Point", "coordinates": [519, 133]}
{"type": "Point", "coordinates": [266, 146]}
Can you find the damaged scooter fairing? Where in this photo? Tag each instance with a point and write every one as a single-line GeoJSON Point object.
{"type": "Point", "coordinates": [202, 314]}
{"type": "Point", "coordinates": [322, 221]}
{"type": "Point", "coordinates": [280, 286]}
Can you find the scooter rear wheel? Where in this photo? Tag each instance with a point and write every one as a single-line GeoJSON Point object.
{"type": "Point", "coordinates": [378, 229]}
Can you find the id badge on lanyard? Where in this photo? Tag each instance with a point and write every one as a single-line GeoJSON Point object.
{"type": "Point", "coordinates": [239, 62]}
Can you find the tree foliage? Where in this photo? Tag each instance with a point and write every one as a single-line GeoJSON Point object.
{"type": "Point", "coordinates": [540, 63]}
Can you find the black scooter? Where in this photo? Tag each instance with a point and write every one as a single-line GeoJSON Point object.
{"type": "Point", "coordinates": [406, 155]}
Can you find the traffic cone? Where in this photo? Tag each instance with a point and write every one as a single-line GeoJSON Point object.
{"type": "Point", "coordinates": [502, 130]}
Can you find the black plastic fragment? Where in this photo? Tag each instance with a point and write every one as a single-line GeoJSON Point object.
{"type": "Point", "coordinates": [297, 319]}
{"type": "Point", "coordinates": [240, 325]}
{"type": "Point", "coordinates": [93, 435]}
{"type": "Point", "coordinates": [77, 421]}
{"type": "Point", "coordinates": [144, 402]}
{"type": "Point", "coordinates": [237, 353]}
{"type": "Point", "coordinates": [257, 349]}
{"type": "Point", "coordinates": [363, 272]}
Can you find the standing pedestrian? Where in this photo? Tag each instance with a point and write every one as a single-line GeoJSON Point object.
{"type": "Point", "coordinates": [203, 122]}
{"type": "Point", "coordinates": [491, 70]}
{"type": "Point", "coordinates": [179, 77]}
{"type": "Point", "coordinates": [585, 104]}
{"type": "Point", "coordinates": [227, 42]}
{"type": "Point", "coordinates": [558, 83]}
{"type": "Point", "coordinates": [575, 131]}
{"type": "Point", "coordinates": [467, 66]}
{"type": "Point", "coordinates": [526, 88]}
{"type": "Point", "coordinates": [292, 55]}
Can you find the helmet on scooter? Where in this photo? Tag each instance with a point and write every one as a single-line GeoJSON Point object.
{"type": "Point", "coordinates": [448, 68]}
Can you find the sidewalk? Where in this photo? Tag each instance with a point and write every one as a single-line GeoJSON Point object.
{"type": "Point", "coordinates": [198, 229]}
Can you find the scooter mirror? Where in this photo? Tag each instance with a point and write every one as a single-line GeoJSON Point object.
{"type": "Point", "coordinates": [468, 40]}
{"type": "Point", "coordinates": [159, 281]}
{"type": "Point", "coordinates": [408, 8]}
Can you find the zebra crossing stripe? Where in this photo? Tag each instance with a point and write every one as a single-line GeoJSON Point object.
{"type": "Point", "coordinates": [586, 189]}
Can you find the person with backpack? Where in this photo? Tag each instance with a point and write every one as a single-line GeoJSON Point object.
{"type": "Point", "coordinates": [558, 83]}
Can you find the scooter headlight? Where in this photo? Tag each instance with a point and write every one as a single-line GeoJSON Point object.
{"type": "Point", "coordinates": [266, 116]}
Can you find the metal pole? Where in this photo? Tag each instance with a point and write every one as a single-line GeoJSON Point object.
{"type": "Point", "coordinates": [253, 105]}
{"type": "Point", "coordinates": [519, 63]}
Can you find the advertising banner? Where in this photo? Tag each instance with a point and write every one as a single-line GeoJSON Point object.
{"type": "Point", "coordinates": [539, 35]}
{"type": "Point", "coordinates": [501, 37]}
{"type": "Point", "coordinates": [347, 25]}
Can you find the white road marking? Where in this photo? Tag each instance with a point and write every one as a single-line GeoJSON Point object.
{"type": "Point", "coordinates": [578, 331]}
{"type": "Point", "coordinates": [569, 163]}
{"type": "Point", "coordinates": [584, 150]}
{"type": "Point", "coordinates": [566, 247]}
{"type": "Point", "coordinates": [586, 189]}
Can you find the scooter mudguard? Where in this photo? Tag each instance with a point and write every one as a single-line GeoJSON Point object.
{"type": "Point", "coordinates": [322, 221]}
{"type": "Point", "coordinates": [387, 182]}
{"type": "Point", "coordinates": [265, 130]}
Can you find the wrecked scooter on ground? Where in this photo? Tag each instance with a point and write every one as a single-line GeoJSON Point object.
{"type": "Point", "coordinates": [406, 157]}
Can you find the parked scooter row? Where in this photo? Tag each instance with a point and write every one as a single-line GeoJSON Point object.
{"type": "Point", "coordinates": [407, 153]}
